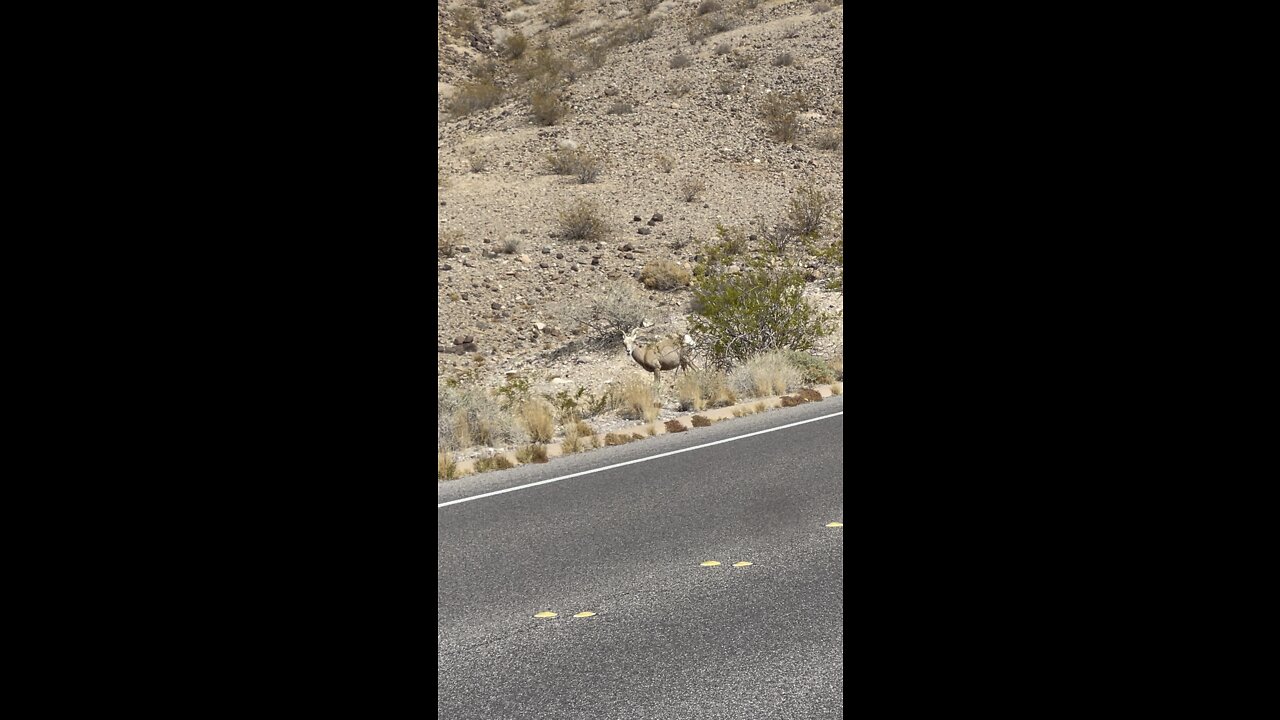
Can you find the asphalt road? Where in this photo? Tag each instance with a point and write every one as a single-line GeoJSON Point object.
{"type": "Point", "coordinates": [670, 638]}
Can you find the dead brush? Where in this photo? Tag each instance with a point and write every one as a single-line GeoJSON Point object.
{"type": "Point", "coordinates": [577, 436]}
{"type": "Point", "coordinates": [498, 461]}
{"type": "Point", "coordinates": [616, 439]}
{"type": "Point", "coordinates": [674, 426]}
{"type": "Point", "coordinates": [700, 421]}
{"type": "Point", "coordinates": [478, 95]}
{"type": "Point", "coordinates": [691, 188]}
{"type": "Point", "coordinates": [446, 468]}
{"type": "Point", "coordinates": [582, 221]}
{"type": "Point", "coordinates": [779, 115]}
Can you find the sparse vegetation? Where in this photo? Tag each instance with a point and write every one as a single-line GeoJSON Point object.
{"type": "Point", "coordinates": [830, 139]}
{"type": "Point", "coordinates": [723, 49]}
{"type": "Point", "coordinates": [779, 114]}
{"type": "Point", "coordinates": [634, 399]}
{"type": "Point", "coordinates": [700, 421]}
{"type": "Point", "coordinates": [810, 208]}
{"type": "Point", "coordinates": [813, 370]}
{"type": "Point", "coordinates": [634, 31]}
{"type": "Point", "coordinates": [446, 467]}
{"type": "Point", "coordinates": [514, 45]}
{"type": "Point", "coordinates": [582, 221]}
{"type": "Point", "coordinates": [509, 246]}
{"type": "Point", "coordinates": [477, 95]}
{"type": "Point", "coordinates": [666, 163]}
{"type": "Point", "coordinates": [785, 59]}
{"type": "Point", "coordinates": [664, 275]}
{"type": "Point", "coordinates": [836, 389]}
{"type": "Point", "coordinates": [765, 374]}
{"type": "Point", "coordinates": [546, 106]}
{"type": "Point", "coordinates": [691, 188]}
{"type": "Point", "coordinates": [467, 416]}
{"type": "Point", "coordinates": [532, 454]}
{"type": "Point", "coordinates": [538, 419]}
{"type": "Point", "coordinates": [709, 6]}
{"type": "Point", "coordinates": [681, 61]}
{"type": "Point", "coordinates": [621, 108]}
{"type": "Point", "coordinates": [576, 162]}
{"type": "Point", "coordinates": [447, 243]}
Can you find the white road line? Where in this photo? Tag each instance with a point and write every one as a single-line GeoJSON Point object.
{"type": "Point", "coordinates": [633, 462]}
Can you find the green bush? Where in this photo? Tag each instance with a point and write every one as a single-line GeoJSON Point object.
{"type": "Point", "coordinates": [813, 370]}
{"type": "Point", "coordinates": [757, 310]}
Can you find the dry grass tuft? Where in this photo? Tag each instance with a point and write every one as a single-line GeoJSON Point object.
{"type": "Point", "coordinates": [700, 389]}
{"type": "Point", "coordinates": [616, 439]}
{"type": "Point", "coordinates": [634, 399]}
{"type": "Point", "coordinates": [546, 106]}
{"type": "Point", "coordinates": [532, 454]}
{"type": "Point", "coordinates": [538, 418]}
{"type": "Point", "coordinates": [579, 163]}
{"type": "Point", "coordinates": [666, 163]}
{"type": "Point", "coordinates": [480, 94]}
{"type": "Point", "coordinates": [767, 374]}
{"type": "Point", "coordinates": [582, 222]}
{"type": "Point", "coordinates": [514, 46]}
{"type": "Point", "coordinates": [760, 407]}
{"type": "Point", "coordinates": [498, 461]}
{"type": "Point", "coordinates": [836, 389]}
{"type": "Point", "coordinates": [446, 468]}
{"type": "Point", "coordinates": [664, 275]}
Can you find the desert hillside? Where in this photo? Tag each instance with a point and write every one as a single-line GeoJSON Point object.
{"type": "Point", "coordinates": [598, 159]}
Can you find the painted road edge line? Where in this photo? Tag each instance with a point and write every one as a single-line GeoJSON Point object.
{"type": "Point", "coordinates": [637, 460]}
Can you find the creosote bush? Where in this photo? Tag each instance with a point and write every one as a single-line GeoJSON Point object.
{"type": "Point", "coordinates": [582, 221]}
{"type": "Point", "coordinates": [779, 114]}
{"type": "Point", "coordinates": [664, 275]}
{"type": "Point", "coordinates": [810, 208]}
{"type": "Point", "coordinates": [757, 310]}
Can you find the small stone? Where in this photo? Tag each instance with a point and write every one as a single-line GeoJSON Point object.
{"type": "Point", "coordinates": [496, 305]}
{"type": "Point", "coordinates": [594, 261]}
{"type": "Point", "coordinates": [546, 249]}
{"type": "Point", "coordinates": [657, 217]}
{"type": "Point", "coordinates": [651, 223]}
{"type": "Point", "coordinates": [635, 218]}
{"type": "Point", "coordinates": [544, 264]}
{"type": "Point", "coordinates": [559, 256]}
{"type": "Point", "coordinates": [464, 248]}
{"type": "Point", "coordinates": [446, 266]}
{"type": "Point", "coordinates": [629, 256]}
{"type": "Point", "coordinates": [628, 246]}
{"type": "Point", "coordinates": [644, 231]}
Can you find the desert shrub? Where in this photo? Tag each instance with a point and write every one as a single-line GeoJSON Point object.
{"type": "Point", "coordinates": [634, 31]}
{"type": "Point", "coordinates": [700, 421]}
{"type": "Point", "coordinates": [836, 389]}
{"type": "Point", "coordinates": [616, 439]}
{"type": "Point", "coordinates": [467, 416]}
{"type": "Point", "coordinates": [547, 68]}
{"type": "Point", "coordinates": [648, 6]}
{"type": "Point", "coordinates": [759, 309]}
{"type": "Point", "coordinates": [532, 453]}
{"type": "Point", "coordinates": [475, 95]}
{"type": "Point", "coordinates": [563, 13]}
{"type": "Point", "coordinates": [582, 221]}
{"type": "Point", "coordinates": [691, 188]}
{"type": "Point", "coordinates": [674, 426]}
{"type": "Point", "coordinates": [681, 61]}
{"type": "Point", "coordinates": [479, 163]}
{"type": "Point", "coordinates": [718, 23]}
{"type": "Point", "coordinates": [821, 8]}
{"type": "Point", "coordinates": [538, 419]}
{"type": "Point", "coordinates": [837, 365]}
{"type": "Point", "coordinates": [765, 374]}
{"type": "Point", "coordinates": [830, 139]}
{"type": "Point", "coordinates": [546, 106]}
{"type": "Point", "coordinates": [779, 115]}
{"type": "Point", "coordinates": [447, 243]}
{"type": "Point", "coordinates": [708, 6]}
{"type": "Point", "coordinates": [515, 45]}
{"type": "Point", "coordinates": [465, 22]}
{"type": "Point", "coordinates": [785, 59]}
{"type": "Point", "coordinates": [576, 162]}
{"type": "Point", "coordinates": [634, 399]}
{"type": "Point", "coordinates": [759, 407]}
{"type": "Point", "coordinates": [742, 59]}
{"type": "Point", "coordinates": [679, 86]}
{"type": "Point", "coordinates": [621, 108]}
{"type": "Point", "coordinates": [723, 49]}
{"type": "Point", "coordinates": [509, 246]}
{"type": "Point", "coordinates": [813, 370]}
{"type": "Point", "coordinates": [810, 208]}
{"type": "Point", "coordinates": [809, 394]}
{"type": "Point", "coordinates": [689, 393]}
{"type": "Point", "coordinates": [791, 400]}
{"type": "Point", "coordinates": [666, 163]}
{"type": "Point", "coordinates": [664, 275]}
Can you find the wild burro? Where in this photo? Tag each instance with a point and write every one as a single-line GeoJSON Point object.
{"type": "Point", "coordinates": [666, 353]}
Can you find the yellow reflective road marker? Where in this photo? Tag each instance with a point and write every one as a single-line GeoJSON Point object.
{"type": "Point", "coordinates": [741, 564]}
{"type": "Point", "coordinates": [544, 614]}
{"type": "Point", "coordinates": [710, 563]}
{"type": "Point", "coordinates": [585, 614]}
{"type": "Point", "coordinates": [835, 524]}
